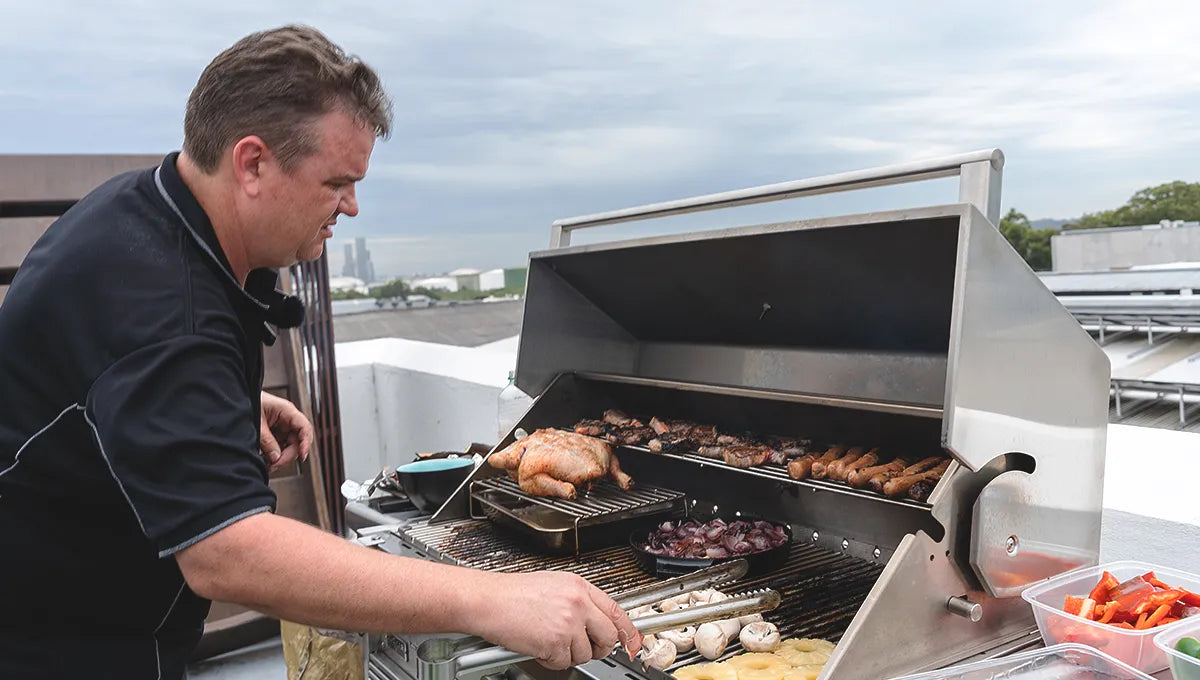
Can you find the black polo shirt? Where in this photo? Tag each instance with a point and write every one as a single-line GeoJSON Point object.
{"type": "Point", "coordinates": [130, 377]}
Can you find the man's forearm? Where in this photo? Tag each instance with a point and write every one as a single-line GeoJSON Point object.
{"type": "Point", "coordinates": [298, 573]}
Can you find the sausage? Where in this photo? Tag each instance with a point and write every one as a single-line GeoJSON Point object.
{"type": "Point", "coordinates": [921, 490]}
{"type": "Point", "coordinates": [820, 468]}
{"type": "Point", "coordinates": [876, 482]}
{"type": "Point", "coordinates": [801, 467]}
{"type": "Point", "coordinates": [899, 486]}
{"type": "Point", "coordinates": [861, 477]}
{"type": "Point", "coordinates": [837, 469]}
{"type": "Point", "coordinates": [870, 458]}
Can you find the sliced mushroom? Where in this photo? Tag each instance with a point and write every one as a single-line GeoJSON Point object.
{"type": "Point", "coordinates": [683, 639]}
{"type": "Point", "coordinates": [711, 640]}
{"type": "Point", "coordinates": [657, 653]}
{"type": "Point", "coordinates": [760, 636]}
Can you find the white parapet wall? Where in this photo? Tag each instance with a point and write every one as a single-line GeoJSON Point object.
{"type": "Point", "coordinates": [1152, 497]}
{"type": "Point", "coordinates": [401, 397]}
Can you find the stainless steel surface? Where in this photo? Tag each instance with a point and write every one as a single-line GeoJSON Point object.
{"type": "Point", "coordinates": [961, 606]}
{"type": "Point", "coordinates": [918, 331]}
{"type": "Point", "coordinates": [712, 577]}
{"type": "Point", "coordinates": [980, 173]}
{"type": "Point", "coordinates": [444, 659]}
{"type": "Point", "coordinates": [1024, 377]}
{"type": "Point", "coordinates": [561, 525]}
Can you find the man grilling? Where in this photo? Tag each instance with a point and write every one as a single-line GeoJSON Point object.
{"type": "Point", "coordinates": [135, 440]}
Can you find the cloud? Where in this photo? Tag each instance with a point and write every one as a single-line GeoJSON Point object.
{"type": "Point", "coordinates": [510, 116]}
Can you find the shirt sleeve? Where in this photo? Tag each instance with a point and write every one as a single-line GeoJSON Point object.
{"type": "Point", "coordinates": [176, 429]}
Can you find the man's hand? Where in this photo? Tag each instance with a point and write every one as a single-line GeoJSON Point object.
{"type": "Point", "coordinates": [559, 619]}
{"type": "Point", "coordinates": [285, 435]}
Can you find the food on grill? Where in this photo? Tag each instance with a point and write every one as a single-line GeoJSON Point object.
{"type": "Point", "coordinates": [759, 666]}
{"type": "Point", "coordinates": [1140, 603]}
{"type": "Point", "coordinates": [683, 639]}
{"type": "Point", "coordinates": [715, 539]}
{"type": "Point", "coordinates": [744, 456]}
{"type": "Point", "coordinates": [553, 463]}
{"type": "Point", "coordinates": [706, 671]}
{"type": "Point", "coordinates": [759, 636]}
{"type": "Point", "coordinates": [837, 469]}
{"type": "Point", "coordinates": [877, 482]}
{"type": "Point", "coordinates": [706, 596]}
{"type": "Point", "coordinates": [899, 486]}
{"type": "Point", "coordinates": [657, 653]}
{"type": "Point", "coordinates": [732, 627]}
{"type": "Point", "coordinates": [614, 417]}
{"type": "Point", "coordinates": [749, 619]}
{"type": "Point", "coordinates": [858, 466]}
{"type": "Point", "coordinates": [644, 610]}
{"type": "Point", "coordinates": [809, 654]}
{"type": "Point", "coordinates": [810, 672]}
{"type": "Point", "coordinates": [801, 468]}
{"type": "Point", "coordinates": [820, 469]}
{"type": "Point", "coordinates": [711, 640]}
{"type": "Point", "coordinates": [861, 477]}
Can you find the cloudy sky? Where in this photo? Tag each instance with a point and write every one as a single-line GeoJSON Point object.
{"type": "Point", "coordinates": [512, 114]}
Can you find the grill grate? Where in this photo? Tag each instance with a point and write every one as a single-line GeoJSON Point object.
{"type": "Point", "coordinates": [605, 499]}
{"type": "Point", "coordinates": [821, 590]}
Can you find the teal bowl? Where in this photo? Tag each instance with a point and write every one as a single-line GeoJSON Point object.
{"type": "Point", "coordinates": [429, 483]}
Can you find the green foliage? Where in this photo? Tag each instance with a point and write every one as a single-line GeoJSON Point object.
{"type": "Point", "coordinates": [346, 295]}
{"type": "Point", "coordinates": [1172, 201]}
{"type": "Point", "coordinates": [392, 289]}
{"type": "Point", "coordinates": [1032, 244]}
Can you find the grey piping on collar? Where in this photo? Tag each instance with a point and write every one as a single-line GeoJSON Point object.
{"type": "Point", "coordinates": [162, 190]}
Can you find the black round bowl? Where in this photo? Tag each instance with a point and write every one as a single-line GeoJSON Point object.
{"type": "Point", "coordinates": [429, 483]}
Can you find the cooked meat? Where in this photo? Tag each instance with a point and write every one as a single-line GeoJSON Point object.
{"type": "Point", "coordinates": [869, 458]}
{"type": "Point", "coordinates": [715, 452]}
{"type": "Point", "coordinates": [629, 436]}
{"type": "Point", "coordinates": [592, 428]}
{"type": "Point", "coordinates": [614, 417]}
{"type": "Point", "coordinates": [746, 456]}
{"type": "Point", "coordinates": [659, 426]}
{"type": "Point", "coordinates": [803, 467]}
{"type": "Point", "coordinates": [820, 469]}
{"type": "Point", "coordinates": [837, 469]}
{"type": "Point", "coordinates": [899, 486]}
{"type": "Point", "coordinates": [670, 442]}
{"type": "Point", "coordinates": [861, 477]}
{"type": "Point", "coordinates": [553, 463]}
{"type": "Point", "coordinates": [920, 491]}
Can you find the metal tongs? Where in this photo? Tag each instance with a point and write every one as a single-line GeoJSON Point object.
{"type": "Point", "coordinates": [447, 658]}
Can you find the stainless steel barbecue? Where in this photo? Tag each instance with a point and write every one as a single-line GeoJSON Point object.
{"type": "Point", "coordinates": [918, 330]}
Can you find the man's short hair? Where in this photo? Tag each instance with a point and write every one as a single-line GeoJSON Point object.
{"type": "Point", "coordinates": [275, 84]}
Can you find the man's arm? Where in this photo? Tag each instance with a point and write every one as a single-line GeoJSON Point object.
{"type": "Point", "coordinates": [293, 571]}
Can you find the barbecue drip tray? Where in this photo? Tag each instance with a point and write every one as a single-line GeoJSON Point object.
{"type": "Point", "coordinates": [822, 589]}
{"type": "Point", "coordinates": [600, 516]}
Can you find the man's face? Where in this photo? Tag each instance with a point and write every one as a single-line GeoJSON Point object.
{"type": "Point", "coordinates": [303, 205]}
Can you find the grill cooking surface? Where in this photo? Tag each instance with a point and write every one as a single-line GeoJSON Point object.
{"type": "Point", "coordinates": [602, 501]}
{"type": "Point", "coordinates": [821, 590]}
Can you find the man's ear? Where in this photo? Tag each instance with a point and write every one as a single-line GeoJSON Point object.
{"type": "Point", "coordinates": [250, 155]}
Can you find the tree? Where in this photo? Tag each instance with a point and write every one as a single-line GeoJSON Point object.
{"type": "Point", "coordinates": [1172, 201]}
{"type": "Point", "coordinates": [392, 289]}
{"type": "Point", "coordinates": [1031, 244]}
{"type": "Point", "coordinates": [346, 295]}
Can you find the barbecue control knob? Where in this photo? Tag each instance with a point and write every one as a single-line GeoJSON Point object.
{"type": "Point", "coordinates": [965, 608]}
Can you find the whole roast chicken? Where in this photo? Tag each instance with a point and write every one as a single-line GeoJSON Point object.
{"type": "Point", "coordinates": [553, 463]}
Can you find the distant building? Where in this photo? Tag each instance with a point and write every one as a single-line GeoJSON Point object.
{"type": "Point", "coordinates": [348, 268]}
{"type": "Point", "coordinates": [348, 283]}
{"type": "Point", "coordinates": [365, 269]}
{"type": "Point", "coordinates": [1125, 247]}
{"type": "Point", "coordinates": [446, 283]}
{"type": "Point", "coordinates": [475, 279]}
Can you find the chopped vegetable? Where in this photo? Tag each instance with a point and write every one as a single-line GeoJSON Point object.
{"type": "Point", "coordinates": [1140, 603]}
{"type": "Point", "coordinates": [1189, 646]}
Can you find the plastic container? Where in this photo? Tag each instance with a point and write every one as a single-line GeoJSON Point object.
{"type": "Point", "coordinates": [1134, 647]}
{"type": "Point", "coordinates": [1183, 667]}
{"type": "Point", "coordinates": [1051, 663]}
{"type": "Point", "coordinates": [513, 404]}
